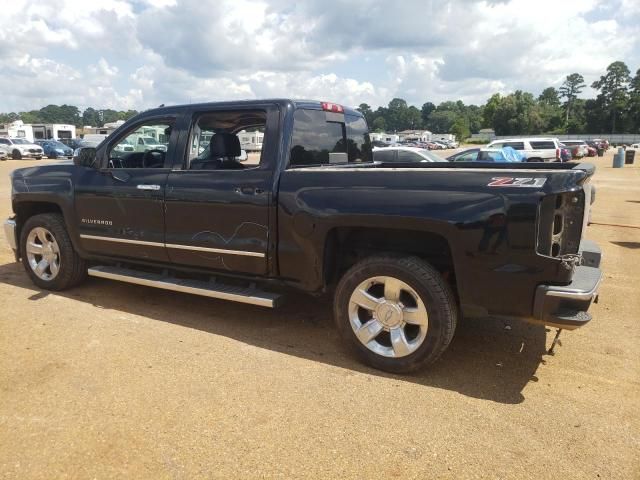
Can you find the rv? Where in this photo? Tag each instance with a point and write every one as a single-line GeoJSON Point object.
{"type": "Point", "coordinates": [53, 131]}
{"type": "Point", "coordinates": [17, 129]}
{"type": "Point", "coordinates": [251, 141]}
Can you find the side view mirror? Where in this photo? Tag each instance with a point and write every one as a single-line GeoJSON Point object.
{"type": "Point", "coordinates": [85, 157]}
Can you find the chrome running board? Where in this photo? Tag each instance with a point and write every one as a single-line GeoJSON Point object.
{"type": "Point", "coordinates": [248, 295]}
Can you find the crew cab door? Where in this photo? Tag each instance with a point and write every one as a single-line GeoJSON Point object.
{"type": "Point", "coordinates": [119, 206]}
{"type": "Point", "coordinates": [217, 206]}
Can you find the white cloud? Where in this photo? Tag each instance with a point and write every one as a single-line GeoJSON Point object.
{"type": "Point", "coordinates": [140, 53]}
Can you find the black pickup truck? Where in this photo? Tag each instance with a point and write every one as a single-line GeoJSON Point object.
{"type": "Point", "coordinates": [237, 200]}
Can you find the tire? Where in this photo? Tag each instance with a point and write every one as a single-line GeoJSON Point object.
{"type": "Point", "coordinates": [48, 230]}
{"type": "Point", "coordinates": [16, 155]}
{"type": "Point", "coordinates": [534, 159]}
{"type": "Point", "coordinates": [39, 157]}
{"type": "Point", "coordinates": [401, 346]}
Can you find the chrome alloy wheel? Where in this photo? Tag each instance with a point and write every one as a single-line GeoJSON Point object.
{"type": "Point", "coordinates": [388, 316]}
{"type": "Point", "coordinates": [43, 253]}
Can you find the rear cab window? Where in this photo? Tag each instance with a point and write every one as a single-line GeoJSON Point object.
{"type": "Point", "coordinates": [326, 138]}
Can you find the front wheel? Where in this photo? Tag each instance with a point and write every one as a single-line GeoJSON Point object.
{"type": "Point", "coordinates": [397, 313]}
{"type": "Point", "coordinates": [16, 155]}
{"type": "Point", "coordinates": [48, 255]}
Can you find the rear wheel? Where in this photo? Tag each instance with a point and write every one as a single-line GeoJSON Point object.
{"type": "Point", "coordinates": [397, 313]}
{"type": "Point", "coordinates": [48, 255]}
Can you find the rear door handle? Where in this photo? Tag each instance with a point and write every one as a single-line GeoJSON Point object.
{"type": "Point", "coordinates": [148, 187]}
{"type": "Point", "coordinates": [248, 191]}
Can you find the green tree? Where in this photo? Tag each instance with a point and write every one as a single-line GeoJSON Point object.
{"type": "Point", "coordinates": [427, 109]}
{"type": "Point", "coordinates": [634, 102]}
{"type": "Point", "coordinates": [379, 125]}
{"type": "Point", "coordinates": [489, 111]}
{"type": "Point", "coordinates": [441, 121]}
{"type": "Point", "coordinates": [613, 89]}
{"type": "Point", "coordinates": [550, 111]}
{"type": "Point", "coordinates": [365, 110]}
{"type": "Point", "coordinates": [570, 89]}
{"type": "Point", "coordinates": [90, 117]}
{"type": "Point", "coordinates": [460, 129]}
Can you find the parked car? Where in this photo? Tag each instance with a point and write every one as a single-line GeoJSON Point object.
{"type": "Point", "coordinates": [405, 155]}
{"type": "Point", "coordinates": [404, 249]}
{"type": "Point", "coordinates": [19, 148]}
{"type": "Point", "coordinates": [591, 151]}
{"type": "Point", "coordinates": [565, 153]}
{"type": "Point", "coordinates": [4, 152]}
{"type": "Point", "coordinates": [55, 149]}
{"type": "Point", "coordinates": [579, 148]}
{"type": "Point", "coordinates": [500, 155]}
{"type": "Point", "coordinates": [534, 149]}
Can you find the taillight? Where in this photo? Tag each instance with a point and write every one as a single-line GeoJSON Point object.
{"type": "Point", "coordinates": [557, 154]}
{"type": "Point", "coordinates": [332, 107]}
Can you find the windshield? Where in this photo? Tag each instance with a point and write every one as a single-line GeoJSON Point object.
{"type": "Point", "coordinates": [20, 141]}
{"type": "Point", "coordinates": [57, 144]}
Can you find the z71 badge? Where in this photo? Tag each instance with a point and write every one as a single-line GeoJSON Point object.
{"type": "Point", "coordinates": [517, 182]}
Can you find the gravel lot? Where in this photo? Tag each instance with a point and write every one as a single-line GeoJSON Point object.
{"type": "Point", "coordinates": [118, 381]}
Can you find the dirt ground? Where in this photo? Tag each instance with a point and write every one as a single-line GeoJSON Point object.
{"type": "Point", "coordinates": [118, 381]}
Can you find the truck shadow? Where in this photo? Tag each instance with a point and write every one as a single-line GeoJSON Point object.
{"type": "Point", "coordinates": [489, 358]}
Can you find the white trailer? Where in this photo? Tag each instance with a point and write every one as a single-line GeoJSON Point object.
{"type": "Point", "coordinates": [251, 141]}
{"type": "Point", "coordinates": [17, 129]}
{"type": "Point", "coordinates": [443, 137]}
{"type": "Point", "coordinates": [53, 131]}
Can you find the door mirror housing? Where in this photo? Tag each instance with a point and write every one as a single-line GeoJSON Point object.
{"type": "Point", "coordinates": [85, 157]}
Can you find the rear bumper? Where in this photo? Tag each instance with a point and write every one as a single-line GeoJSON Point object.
{"type": "Point", "coordinates": [567, 306]}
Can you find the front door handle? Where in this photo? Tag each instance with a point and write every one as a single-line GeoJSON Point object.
{"type": "Point", "coordinates": [148, 187]}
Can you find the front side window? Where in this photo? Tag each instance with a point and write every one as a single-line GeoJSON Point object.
{"type": "Point", "coordinates": [467, 157]}
{"type": "Point", "coordinates": [514, 145]}
{"type": "Point", "coordinates": [145, 146]}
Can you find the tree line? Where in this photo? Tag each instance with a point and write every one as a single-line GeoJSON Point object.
{"type": "Point", "coordinates": [616, 109]}
{"type": "Point", "coordinates": [69, 115]}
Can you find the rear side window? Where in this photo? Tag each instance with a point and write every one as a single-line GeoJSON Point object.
{"type": "Point", "coordinates": [514, 145]}
{"type": "Point", "coordinates": [321, 138]}
{"type": "Point", "coordinates": [543, 145]}
{"type": "Point", "coordinates": [358, 142]}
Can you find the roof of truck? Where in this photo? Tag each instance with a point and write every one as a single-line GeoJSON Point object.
{"type": "Point", "coordinates": [284, 102]}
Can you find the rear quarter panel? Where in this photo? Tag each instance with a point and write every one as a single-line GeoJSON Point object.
{"type": "Point", "coordinates": [491, 231]}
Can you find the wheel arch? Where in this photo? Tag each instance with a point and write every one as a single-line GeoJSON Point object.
{"type": "Point", "coordinates": [26, 209]}
{"type": "Point", "coordinates": [345, 246]}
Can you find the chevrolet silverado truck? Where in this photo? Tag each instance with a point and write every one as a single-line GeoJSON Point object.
{"type": "Point", "coordinates": [403, 248]}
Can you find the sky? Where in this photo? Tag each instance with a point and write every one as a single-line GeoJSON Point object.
{"type": "Point", "coordinates": [138, 54]}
